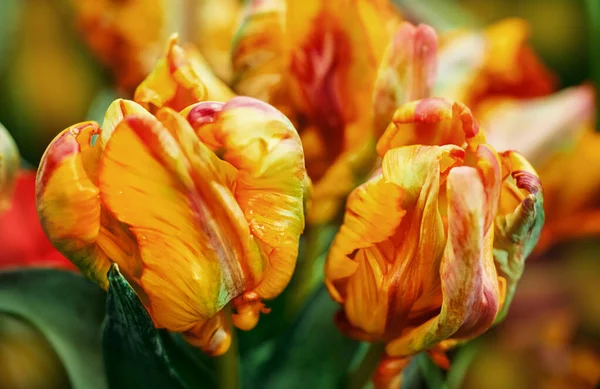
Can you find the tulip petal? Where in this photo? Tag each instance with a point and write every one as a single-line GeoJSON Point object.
{"type": "Point", "coordinates": [179, 211]}
{"type": "Point", "coordinates": [265, 148]}
{"type": "Point", "coordinates": [406, 73]}
{"type": "Point", "coordinates": [68, 201]}
{"type": "Point", "coordinates": [469, 282]}
{"type": "Point", "coordinates": [519, 223]}
{"type": "Point", "coordinates": [373, 212]}
{"type": "Point", "coordinates": [431, 121]}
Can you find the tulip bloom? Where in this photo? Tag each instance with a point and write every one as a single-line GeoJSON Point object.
{"type": "Point", "coordinates": [317, 61]}
{"type": "Point", "coordinates": [199, 209]}
{"type": "Point", "coordinates": [433, 244]}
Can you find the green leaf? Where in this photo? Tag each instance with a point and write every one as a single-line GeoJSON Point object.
{"type": "Point", "coordinates": [134, 353]}
{"type": "Point", "coordinates": [311, 354]}
{"type": "Point", "coordinates": [68, 310]}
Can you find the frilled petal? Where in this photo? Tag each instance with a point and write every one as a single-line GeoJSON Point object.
{"type": "Point", "coordinates": [519, 222]}
{"type": "Point", "coordinates": [179, 79]}
{"type": "Point", "coordinates": [159, 180]}
{"type": "Point", "coordinates": [431, 121]}
{"type": "Point", "coordinates": [373, 213]}
{"type": "Point", "coordinates": [406, 73]}
{"type": "Point", "coordinates": [9, 165]}
{"type": "Point", "coordinates": [68, 200]}
{"type": "Point", "coordinates": [469, 282]}
{"type": "Point", "coordinates": [390, 243]}
{"type": "Point", "coordinates": [550, 122]}
{"type": "Point", "coordinates": [265, 148]}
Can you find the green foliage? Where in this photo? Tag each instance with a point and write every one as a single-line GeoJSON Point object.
{"type": "Point", "coordinates": [68, 310]}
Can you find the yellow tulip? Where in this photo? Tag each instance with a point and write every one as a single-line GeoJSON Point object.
{"type": "Point", "coordinates": [199, 209]}
{"type": "Point", "coordinates": [433, 244]}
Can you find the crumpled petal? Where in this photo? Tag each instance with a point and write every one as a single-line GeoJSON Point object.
{"type": "Point", "coordinates": [470, 286]}
{"type": "Point", "coordinates": [264, 147]}
{"type": "Point", "coordinates": [406, 73]}
{"type": "Point", "coordinates": [431, 121]}
{"type": "Point", "coordinates": [9, 165]}
{"type": "Point", "coordinates": [519, 222]}
{"type": "Point", "coordinates": [179, 79]}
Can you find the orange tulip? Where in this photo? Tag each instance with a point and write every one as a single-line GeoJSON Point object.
{"type": "Point", "coordinates": [433, 244]}
{"type": "Point", "coordinates": [317, 61]}
{"type": "Point", "coordinates": [199, 209]}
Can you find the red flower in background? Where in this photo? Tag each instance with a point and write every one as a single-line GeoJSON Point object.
{"type": "Point", "coordinates": [22, 240]}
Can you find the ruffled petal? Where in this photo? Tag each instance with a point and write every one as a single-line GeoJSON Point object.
{"type": "Point", "coordinates": [430, 121]}
{"type": "Point", "coordinates": [406, 73]}
{"type": "Point", "coordinates": [373, 213]}
{"type": "Point", "coordinates": [469, 282]}
{"type": "Point", "coordinates": [519, 223]}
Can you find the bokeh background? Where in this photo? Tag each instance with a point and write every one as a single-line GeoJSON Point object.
{"type": "Point", "coordinates": [49, 80]}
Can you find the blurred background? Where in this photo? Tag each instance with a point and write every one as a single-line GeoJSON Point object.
{"type": "Point", "coordinates": [50, 79]}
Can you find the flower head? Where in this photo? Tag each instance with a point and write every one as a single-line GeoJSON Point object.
{"type": "Point", "coordinates": [199, 209]}
{"type": "Point", "coordinates": [433, 244]}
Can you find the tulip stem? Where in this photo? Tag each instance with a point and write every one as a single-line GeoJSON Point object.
{"type": "Point", "coordinates": [228, 365]}
{"type": "Point", "coordinates": [359, 377]}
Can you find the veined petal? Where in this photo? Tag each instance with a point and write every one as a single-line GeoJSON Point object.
{"type": "Point", "coordinates": [68, 200]}
{"type": "Point", "coordinates": [469, 282]}
{"type": "Point", "coordinates": [519, 222]}
{"type": "Point", "coordinates": [265, 148]}
{"type": "Point", "coordinates": [406, 73]}
{"type": "Point", "coordinates": [373, 213]}
{"type": "Point", "coordinates": [9, 165]}
{"type": "Point", "coordinates": [179, 212]}
{"type": "Point", "coordinates": [430, 121]}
